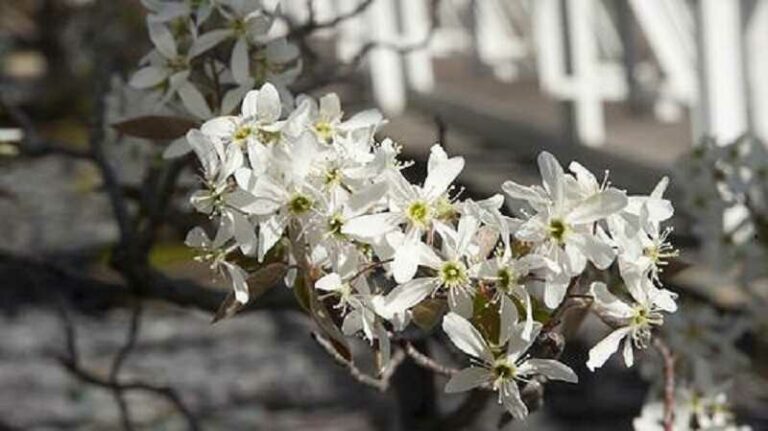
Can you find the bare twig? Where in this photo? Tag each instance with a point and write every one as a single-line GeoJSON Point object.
{"type": "Point", "coordinates": [669, 382]}
{"type": "Point", "coordinates": [381, 383]}
{"type": "Point", "coordinates": [71, 362]}
{"type": "Point", "coordinates": [425, 361]}
{"type": "Point", "coordinates": [120, 357]}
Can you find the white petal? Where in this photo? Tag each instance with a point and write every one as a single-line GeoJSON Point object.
{"type": "Point", "coordinates": [598, 206]}
{"type": "Point", "coordinates": [606, 305]}
{"type": "Point", "coordinates": [605, 348]}
{"type": "Point", "coordinates": [269, 107]}
{"type": "Point", "coordinates": [461, 302]}
{"type": "Point", "coordinates": [207, 41]}
{"type": "Point", "coordinates": [240, 63]}
{"type": "Point", "coordinates": [197, 238]}
{"type": "Point", "coordinates": [205, 151]}
{"type": "Point", "coordinates": [508, 319]}
{"type": "Point", "coordinates": [467, 379]}
{"type": "Point", "coordinates": [466, 337]}
{"type": "Point", "coordinates": [512, 402]}
{"type": "Point", "coordinates": [147, 77]}
{"type": "Point", "coordinates": [368, 118]}
{"type": "Point", "coordinates": [548, 368]}
{"type": "Point", "coordinates": [404, 265]}
{"type": "Point", "coordinates": [194, 101]}
{"type": "Point", "coordinates": [251, 204]}
{"type": "Point", "coordinates": [329, 283]}
{"type": "Point", "coordinates": [442, 176]}
{"type": "Point", "coordinates": [330, 107]}
{"type": "Point", "coordinates": [629, 357]}
{"type": "Point", "coordinates": [362, 200]}
{"type": "Point", "coordinates": [554, 294]}
{"type": "Point", "coordinates": [525, 193]}
{"type": "Point", "coordinates": [518, 345]}
{"type": "Point", "coordinates": [233, 97]}
{"type": "Point", "coordinates": [240, 286]}
{"type": "Point", "coordinates": [598, 252]}
{"type": "Point", "coordinates": [270, 233]}
{"type": "Point", "coordinates": [177, 148]}
{"type": "Point", "coordinates": [405, 296]}
{"type": "Point", "coordinates": [371, 226]}
{"type": "Point", "coordinates": [467, 228]}
{"type": "Point", "coordinates": [162, 39]}
{"type": "Point", "coordinates": [245, 233]}
{"type": "Point", "coordinates": [552, 177]}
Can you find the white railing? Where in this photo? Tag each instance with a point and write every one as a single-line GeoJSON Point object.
{"type": "Point", "coordinates": [577, 49]}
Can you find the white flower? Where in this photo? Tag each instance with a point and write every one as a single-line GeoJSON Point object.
{"type": "Point", "coordinates": [500, 371]}
{"type": "Point", "coordinates": [633, 322]}
{"type": "Point", "coordinates": [564, 225]}
{"type": "Point", "coordinates": [509, 277]}
{"type": "Point", "coordinates": [257, 125]}
{"type": "Point", "coordinates": [215, 252]}
{"type": "Point", "coordinates": [166, 65]}
{"type": "Point", "coordinates": [414, 206]}
{"type": "Point", "coordinates": [450, 274]}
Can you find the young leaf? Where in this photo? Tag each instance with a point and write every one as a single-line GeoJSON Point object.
{"type": "Point", "coordinates": [156, 127]}
{"type": "Point", "coordinates": [428, 312]}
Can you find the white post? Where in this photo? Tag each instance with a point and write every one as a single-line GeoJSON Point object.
{"type": "Point", "coordinates": [384, 63]}
{"type": "Point", "coordinates": [588, 106]}
{"type": "Point", "coordinates": [723, 105]}
{"type": "Point", "coordinates": [757, 63]}
{"type": "Point", "coordinates": [349, 40]}
{"type": "Point", "coordinates": [670, 35]}
{"type": "Point", "coordinates": [418, 63]}
{"type": "Point", "coordinates": [496, 44]}
{"type": "Point", "coordinates": [550, 51]}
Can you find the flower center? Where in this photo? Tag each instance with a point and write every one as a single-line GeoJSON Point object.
{"type": "Point", "coordinates": [242, 133]}
{"type": "Point", "coordinates": [335, 223]}
{"type": "Point", "coordinates": [418, 213]}
{"type": "Point", "coordinates": [324, 131]}
{"type": "Point", "coordinates": [453, 274]}
{"type": "Point", "coordinates": [504, 370]}
{"type": "Point", "coordinates": [267, 137]}
{"type": "Point", "coordinates": [332, 176]}
{"type": "Point", "coordinates": [299, 204]}
{"type": "Point", "coordinates": [558, 230]}
{"type": "Point", "coordinates": [642, 322]}
{"type": "Point", "coordinates": [507, 279]}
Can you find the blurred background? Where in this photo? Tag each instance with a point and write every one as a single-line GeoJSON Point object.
{"type": "Point", "coordinates": [627, 85]}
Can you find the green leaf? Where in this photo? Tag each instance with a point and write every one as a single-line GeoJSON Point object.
{"type": "Point", "coordinates": [156, 127]}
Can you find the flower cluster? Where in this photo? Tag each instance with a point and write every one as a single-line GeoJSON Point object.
{"type": "Point", "coordinates": [208, 54]}
{"type": "Point", "coordinates": [314, 190]}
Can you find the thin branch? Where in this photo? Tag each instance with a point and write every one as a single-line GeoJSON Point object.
{"type": "Point", "coordinates": [381, 383]}
{"type": "Point", "coordinates": [133, 385]}
{"type": "Point", "coordinates": [71, 362]}
{"type": "Point", "coordinates": [669, 382]}
{"type": "Point", "coordinates": [120, 357]}
{"type": "Point", "coordinates": [425, 361]}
